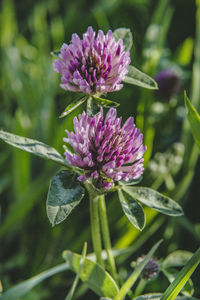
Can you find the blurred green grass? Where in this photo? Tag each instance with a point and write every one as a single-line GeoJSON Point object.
{"type": "Point", "coordinates": [30, 103]}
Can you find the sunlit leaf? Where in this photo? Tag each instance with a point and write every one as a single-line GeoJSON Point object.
{"type": "Point", "coordinates": [154, 200]}
{"type": "Point", "coordinates": [34, 147]}
{"type": "Point", "coordinates": [126, 35]}
{"type": "Point", "coordinates": [177, 258]}
{"type": "Point", "coordinates": [194, 120]}
{"type": "Point", "coordinates": [183, 276]}
{"type": "Point", "coordinates": [73, 106]}
{"type": "Point", "coordinates": [65, 193]}
{"type": "Point", "coordinates": [21, 289]}
{"type": "Point", "coordinates": [139, 78]}
{"type": "Point", "coordinates": [92, 107]}
{"type": "Point", "coordinates": [93, 275]}
{"type": "Point", "coordinates": [132, 209]}
{"type": "Point", "coordinates": [105, 102]}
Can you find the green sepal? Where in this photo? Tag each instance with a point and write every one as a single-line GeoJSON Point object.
{"type": "Point", "coordinates": [72, 106]}
{"type": "Point", "coordinates": [105, 102]}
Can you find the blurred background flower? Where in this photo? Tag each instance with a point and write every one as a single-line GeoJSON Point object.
{"type": "Point", "coordinates": [169, 83]}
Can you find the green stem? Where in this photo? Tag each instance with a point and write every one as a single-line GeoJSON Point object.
{"type": "Point", "coordinates": [95, 224]}
{"type": "Point", "coordinates": [106, 237]}
{"type": "Point", "coordinates": [140, 287]}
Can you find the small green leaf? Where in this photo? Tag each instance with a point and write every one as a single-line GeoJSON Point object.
{"type": "Point", "coordinates": [73, 106]}
{"type": "Point", "coordinates": [34, 147]}
{"type": "Point", "coordinates": [176, 259]}
{"type": "Point", "coordinates": [139, 78]}
{"type": "Point", "coordinates": [126, 35]}
{"type": "Point", "coordinates": [188, 289]}
{"type": "Point", "coordinates": [154, 296]}
{"type": "Point", "coordinates": [93, 275]}
{"type": "Point", "coordinates": [55, 53]}
{"type": "Point", "coordinates": [74, 285]}
{"type": "Point", "coordinates": [105, 102]}
{"type": "Point", "coordinates": [92, 107]}
{"type": "Point", "coordinates": [131, 182]}
{"type": "Point", "coordinates": [136, 273]}
{"type": "Point", "coordinates": [194, 120]}
{"type": "Point", "coordinates": [132, 209]}
{"type": "Point", "coordinates": [154, 200]}
{"type": "Point", "coordinates": [21, 289]}
{"type": "Point", "coordinates": [183, 276]}
{"type": "Point", "coordinates": [64, 194]}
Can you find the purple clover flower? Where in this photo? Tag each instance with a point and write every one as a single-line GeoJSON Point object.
{"type": "Point", "coordinates": [94, 64]}
{"type": "Point", "coordinates": [105, 150]}
{"type": "Point", "coordinates": [169, 83]}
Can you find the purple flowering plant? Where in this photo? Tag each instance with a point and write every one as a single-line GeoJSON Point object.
{"type": "Point", "coordinates": [96, 65]}
{"type": "Point", "coordinates": [103, 154]}
{"type": "Point", "coordinates": [93, 65]}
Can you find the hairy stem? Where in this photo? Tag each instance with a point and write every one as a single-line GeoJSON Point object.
{"type": "Point", "coordinates": [106, 237]}
{"type": "Point", "coordinates": [95, 224]}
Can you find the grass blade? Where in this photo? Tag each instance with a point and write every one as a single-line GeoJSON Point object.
{"type": "Point", "coordinates": [183, 276]}
{"type": "Point", "coordinates": [74, 285]}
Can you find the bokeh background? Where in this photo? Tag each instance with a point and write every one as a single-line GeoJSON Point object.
{"type": "Point", "coordinates": [164, 36]}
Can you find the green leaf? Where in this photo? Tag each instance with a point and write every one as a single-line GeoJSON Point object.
{"type": "Point", "coordinates": [154, 200]}
{"type": "Point", "coordinates": [73, 106]}
{"type": "Point", "coordinates": [92, 107]}
{"type": "Point", "coordinates": [194, 120]}
{"type": "Point", "coordinates": [126, 35]}
{"type": "Point", "coordinates": [131, 182]}
{"type": "Point", "coordinates": [93, 275]}
{"type": "Point", "coordinates": [34, 147]}
{"type": "Point", "coordinates": [74, 285]}
{"type": "Point", "coordinates": [55, 53]}
{"type": "Point", "coordinates": [64, 194]}
{"type": "Point", "coordinates": [136, 273]}
{"type": "Point", "coordinates": [183, 276]}
{"type": "Point", "coordinates": [176, 259]}
{"type": "Point", "coordinates": [154, 296]}
{"type": "Point", "coordinates": [23, 288]}
{"type": "Point", "coordinates": [132, 209]}
{"type": "Point", "coordinates": [139, 78]}
{"type": "Point", "coordinates": [188, 289]}
{"type": "Point", "coordinates": [105, 102]}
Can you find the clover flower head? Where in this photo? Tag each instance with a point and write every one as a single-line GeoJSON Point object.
{"type": "Point", "coordinates": [105, 150]}
{"type": "Point", "coordinates": [151, 269]}
{"type": "Point", "coordinates": [169, 83]}
{"type": "Point", "coordinates": [95, 64]}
